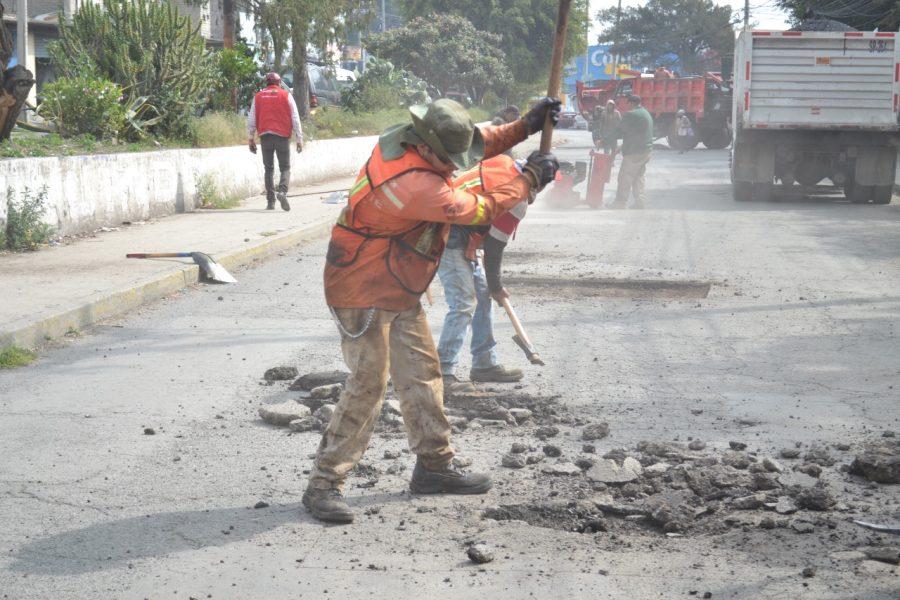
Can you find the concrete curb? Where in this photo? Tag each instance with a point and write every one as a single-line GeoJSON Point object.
{"type": "Point", "coordinates": [36, 334]}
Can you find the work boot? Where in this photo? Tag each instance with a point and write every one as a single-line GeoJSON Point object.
{"type": "Point", "coordinates": [327, 505]}
{"type": "Point", "coordinates": [453, 385]}
{"type": "Point", "coordinates": [270, 205]}
{"type": "Point", "coordinates": [496, 374]}
{"type": "Point", "coordinates": [447, 480]}
{"type": "Point", "coordinates": [282, 199]}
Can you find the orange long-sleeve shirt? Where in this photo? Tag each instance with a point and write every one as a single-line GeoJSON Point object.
{"type": "Point", "coordinates": [424, 196]}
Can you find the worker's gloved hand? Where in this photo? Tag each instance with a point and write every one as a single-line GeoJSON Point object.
{"type": "Point", "coordinates": [541, 169]}
{"type": "Point", "coordinates": [299, 147]}
{"type": "Point", "coordinates": [252, 145]}
{"type": "Point", "coordinates": [537, 116]}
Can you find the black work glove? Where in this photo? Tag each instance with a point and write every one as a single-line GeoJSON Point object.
{"type": "Point", "coordinates": [537, 116]}
{"type": "Point", "coordinates": [541, 169]}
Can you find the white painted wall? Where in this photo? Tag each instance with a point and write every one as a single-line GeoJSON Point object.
{"type": "Point", "coordinates": [87, 192]}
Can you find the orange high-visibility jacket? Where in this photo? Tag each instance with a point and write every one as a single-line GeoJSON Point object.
{"type": "Point", "coordinates": [387, 243]}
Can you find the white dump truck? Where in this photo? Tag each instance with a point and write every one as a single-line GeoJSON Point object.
{"type": "Point", "coordinates": [811, 106]}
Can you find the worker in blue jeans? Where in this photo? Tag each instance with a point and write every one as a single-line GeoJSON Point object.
{"type": "Point", "coordinates": [469, 302]}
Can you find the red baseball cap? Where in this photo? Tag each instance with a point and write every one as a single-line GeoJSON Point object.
{"type": "Point", "coordinates": [273, 78]}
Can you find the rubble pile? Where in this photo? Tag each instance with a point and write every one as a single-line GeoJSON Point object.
{"type": "Point", "coordinates": [670, 488]}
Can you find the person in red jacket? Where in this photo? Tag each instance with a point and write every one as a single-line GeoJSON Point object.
{"type": "Point", "coordinates": [274, 116]}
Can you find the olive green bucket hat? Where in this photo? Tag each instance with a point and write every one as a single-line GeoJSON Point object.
{"type": "Point", "coordinates": [444, 126]}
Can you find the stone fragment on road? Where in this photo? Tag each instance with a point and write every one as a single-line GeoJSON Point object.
{"type": "Point", "coordinates": [564, 468]}
{"type": "Point", "coordinates": [885, 554]}
{"type": "Point", "coordinates": [392, 454]}
{"type": "Point", "coordinates": [149, 431]}
{"type": "Point", "coordinates": [546, 431]}
{"type": "Point", "coordinates": [309, 423]}
{"type": "Point", "coordinates": [696, 445]}
{"type": "Point", "coordinates": [309, 381]}
{"type": "Point", "coordinates": [518, 448]}
{"type": "Point", "coordinates": [480, 553]}
{"type": "Point", "coordinates": [802, 526]}
{"type": "Point", "coordinates": [772, 466]}
{"type": "Point", "coordinates": [878, 462]}
{"type": "Point", "coordinates": [280, 373]}
{"type": "Point", "coordinates": [811, 469]}
{"type": "Point", "coordinates": [520, 414]}
{"type": "Point", "coordinates": [785, 505]}
{"type": "Point", "coordinates": [324, 413]}
{"type": "Point", "coordinates": [740, 446]}
{"type": "Point", "coordinates": [513, 461]}
{"type": "Point", "coordinates": [332, 390]}
{"type": "Point", "coordinates": [815, 498]}
{"type": "Point", "coordinates": [261, 504]}
{"type": "Point", "coordinates": [595, 431]}
{"type": "Point", "coordinates": [608, 471]}
{"type": "Point", "coordinates": [819, 455]}
{"type": "Point", "coordinates": [391, 406]}
{"type": "Point", "coordinates": [552, 451]}
{"type": "Point", "coordinates": [588, 448]}
{"type": "Point", "coordinates": [738, 460]}
{"type": "Point", "coordinates": [749, 502]}
{"type": "Point", "coordinates": [790, 453]}
{"type": "Point", "coordinates": [283, 413]}
{"type": "Point", "coordinates": [534, 459]}
{"type": "Point", "coordinates": [808, 572]}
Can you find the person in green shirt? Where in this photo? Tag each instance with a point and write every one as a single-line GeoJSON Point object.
{"type": "Point", "coordinates": [636, 132]}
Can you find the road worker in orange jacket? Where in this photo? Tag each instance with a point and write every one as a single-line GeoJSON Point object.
{"type": "Point", "coordinates": [384, 252]}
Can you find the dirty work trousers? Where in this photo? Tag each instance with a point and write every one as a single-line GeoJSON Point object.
{"type": "Point", "coordinates": [398, 343]}
{"type": "Point", "coordinates": [631, 179]}
{"type": "Point", "coordinates": [272, 145]}
{"type": "Point", "coordinates": [469, 303]}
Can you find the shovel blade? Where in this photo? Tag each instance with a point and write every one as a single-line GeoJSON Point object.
{"type": "Point", "coordinates": [530, 353]}
{"type": "Point", "coordinates": [211, 269]}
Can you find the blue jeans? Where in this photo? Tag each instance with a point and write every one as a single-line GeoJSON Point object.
{"type": "Point", "coordinates": [466, 292]}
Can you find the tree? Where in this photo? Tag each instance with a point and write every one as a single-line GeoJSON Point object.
{"type": "Point", "coordinates": [525, 28]}
{"type": "Point", "coordinates": [859, 14]}
{"type": "Point", "coordinates": [663, 32]}
{"type": "Point", "coordinates": [15, 83]}
{"type": "Point", "coordinates": [447, 52]}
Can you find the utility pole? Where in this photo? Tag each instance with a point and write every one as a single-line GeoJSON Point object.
{"type": "Point", "coordinates": [746, 14]}
{"type": "Point", "coordinates": [22, 32]}
{"type": "Point", "coordinates": [383, 17]}
{"type": "Point", "coordinates": [615, 73]}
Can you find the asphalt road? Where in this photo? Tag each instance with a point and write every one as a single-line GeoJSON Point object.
{"type": "Point", "coordinates": [774, 323]}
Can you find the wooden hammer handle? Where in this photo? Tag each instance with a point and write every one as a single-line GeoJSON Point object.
{"type": "Point", "coordinates": [556, 66]}
{"type": "Point", "coordinates": [517, 325]}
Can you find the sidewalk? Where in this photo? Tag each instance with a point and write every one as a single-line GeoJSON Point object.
{"type": "Point", "coordinates": [68, 287]}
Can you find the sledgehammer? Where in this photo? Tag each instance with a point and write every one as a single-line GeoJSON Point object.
{"type": "Point", "coordinates": [521, 338]}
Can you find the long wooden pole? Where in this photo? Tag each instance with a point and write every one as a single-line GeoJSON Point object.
{"type": "Point", "coordinates": [556, 66]}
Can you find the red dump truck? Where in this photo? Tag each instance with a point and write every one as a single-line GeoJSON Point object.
{"type": "Point", "coordinates": [706, 101]}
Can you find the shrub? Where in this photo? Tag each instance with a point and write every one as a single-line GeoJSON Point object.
{"type": "Point", "coordinates": [24, 228]}
{"type": "Point", "coordinates": [84, 105]}
{"type": "Point", "coordinates": [382, 87]}
{"type": "Point", "coordinates": [210, 196]}
{"type": "Point", "coordinates": [235, 69]}
{"type": "Point", "coordinates": [218, 129]}
{"type": "Point", "coordinates": [153, 52]}
{"type": "Point", "coordinates": [13, 356]}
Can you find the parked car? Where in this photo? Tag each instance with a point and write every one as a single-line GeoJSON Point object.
{"type": "Point", "coordinates": [324, 88]}
{"type": "Point", "coordinates": [581, 122]}
{"type": "Point", "coordinates": [567, 119]}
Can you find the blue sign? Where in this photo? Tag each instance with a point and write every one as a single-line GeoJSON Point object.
{"type": "Point", "coordinates": [599, 66]}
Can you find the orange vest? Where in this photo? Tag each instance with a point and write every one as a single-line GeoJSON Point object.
{"type": "Point", "coordinates": [483, 177]}
{"type": "Point", "coordinates": [375, 265]}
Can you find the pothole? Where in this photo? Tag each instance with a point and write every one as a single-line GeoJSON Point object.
{"type": "Point", "coordinates": [608, 287]}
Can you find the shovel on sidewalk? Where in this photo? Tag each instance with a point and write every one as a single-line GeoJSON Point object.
{"type": "Point", "coordinates": [211, 270]}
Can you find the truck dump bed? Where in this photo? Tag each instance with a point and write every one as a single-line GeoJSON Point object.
{"type": "Point", "coordinates": [817, 80]}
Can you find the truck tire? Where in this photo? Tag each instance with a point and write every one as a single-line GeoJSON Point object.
{"type": "Point", "coordinates": [742, 191]}
{"type": "Point", "coordinates": [717, 139]}
{"type": "Point", "coordinates": [675, 143]}
{"type": "Point", "coordinates": [882, 194]}
{"type": "Point", "coordinates": [762, 192]}
{"type": "Point", "coordinates": [857, 194]}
